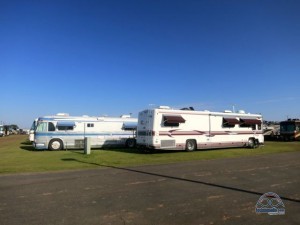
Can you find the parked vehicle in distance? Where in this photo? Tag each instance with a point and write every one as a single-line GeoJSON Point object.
{"type": "Point", "coordinates": [1, 130]}
{"type": "Point", "coordinates": [290, 130]}
{"type": "Point", "coordinates": [186, 129]}
{"type": "Point", "coordinates": [68, 132]}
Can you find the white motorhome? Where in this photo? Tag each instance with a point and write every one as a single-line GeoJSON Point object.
{"type": "Point", "coordinates": [68, 132]}
{"type": "Point", "coordinates": [1, 130]}
{"type": "Point", "coordinates": [169, 129]}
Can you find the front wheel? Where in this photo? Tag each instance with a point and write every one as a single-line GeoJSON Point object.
{"type": "Point", "coordinates": [55, 145]}
{"type": "Point", "coordinates": [190, 145]}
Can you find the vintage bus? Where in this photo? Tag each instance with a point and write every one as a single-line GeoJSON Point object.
{"type": "Point", "coordinates": [68, 132]}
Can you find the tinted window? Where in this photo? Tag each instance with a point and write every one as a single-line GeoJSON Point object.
{"type": "Point", "coordinates": [65, 127]}
{"type": "Point", "coordinates": [51, 127]}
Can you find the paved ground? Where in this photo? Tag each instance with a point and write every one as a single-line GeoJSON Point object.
{"type": "Point", "coordinates": [203, 192]}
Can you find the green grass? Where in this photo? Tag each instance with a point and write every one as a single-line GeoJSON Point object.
{"type": "Point", "coordinates": [17, 155]}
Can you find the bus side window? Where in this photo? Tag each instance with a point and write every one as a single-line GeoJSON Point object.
{"type": "Point", "coordinates": [51, 127]}
{"type": "Point", "coordinates": [65, 128]}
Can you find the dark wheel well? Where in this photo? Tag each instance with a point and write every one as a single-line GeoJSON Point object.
{"type": "Point", "coordinates": [130, 143]}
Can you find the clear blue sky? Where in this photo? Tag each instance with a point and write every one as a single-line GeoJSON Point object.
{"type": "Point", "coordinates": [117, 57]}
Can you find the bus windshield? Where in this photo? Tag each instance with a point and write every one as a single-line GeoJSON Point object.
{"type": "Point", "coordinates": [287, 127]}
{"type": "Point", "coordinates": [41, 127]}
{"type": "Point", "coordinates": [33, 126]}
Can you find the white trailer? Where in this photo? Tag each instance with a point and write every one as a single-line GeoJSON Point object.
{"type": "Point", "coordinates": [68, 132]}
{"type": "Point", "coordinates": [169, 129]}
{"type": "Point", "coordinates": [1, 130]}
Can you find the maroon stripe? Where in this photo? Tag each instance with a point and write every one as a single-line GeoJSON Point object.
{"type": "Point", "coordinates": [162, 133]}
{"type": "Point", "coordinates": [179, 133]}
{"type": "Point", "coordinates": [202, 145]}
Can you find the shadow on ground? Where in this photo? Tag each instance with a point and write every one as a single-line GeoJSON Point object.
{"type": "Point", "coordinates": [27, 145]}
{"type": "Point", "coordinates": [180, 179]}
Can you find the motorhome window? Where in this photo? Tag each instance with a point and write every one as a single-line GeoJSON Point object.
{"type": "Point", "coordinates": [90, 125]}
{"type": "Point", "coordinates": [41, 127]}
{"type": "Point", "coordinates": [172, 121]}
{"type": "Point", "coordinates": [242, 124]}
{"type": "Point", "coordinates": [167, 124]}
{"type": "Point", "coordinates": [51, 127]}
{"type": "Point", "coordinates": [230, 122]}
{"type": "Point", "coordinates": [249, 123]}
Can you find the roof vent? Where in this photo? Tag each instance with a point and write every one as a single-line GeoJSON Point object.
{"type": "Point", "coordinates": [164, 107]}
{"type": "Point", "coordinates": [62, 114]}
{"type": "Point", "coordinates": [227, 111]}
{"type": "Point", "coordinates": [242, 112]}
{"type": "Point", "coordinates": [125, 116]}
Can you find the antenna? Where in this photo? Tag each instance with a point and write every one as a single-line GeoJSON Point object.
{"type": "Point", "coordinates": [151, 106]}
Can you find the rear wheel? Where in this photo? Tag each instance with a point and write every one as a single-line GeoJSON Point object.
{"type": "Point", "coordinates": [190, 145]}
{"type": "Point", "coordinates": [252, 143]}
{"type": "Point", "coordinates": [55, 145]}
{"type": "Point", "coordinates": [130, 143]}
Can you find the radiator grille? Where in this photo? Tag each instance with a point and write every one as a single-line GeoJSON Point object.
{"type": "Point", "coordinates": [167, 143]}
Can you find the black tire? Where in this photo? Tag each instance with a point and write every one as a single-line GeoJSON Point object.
{"type": "Point", "coordinates": [55, 145]}
{"type": "Point", "coordinates": [190, 145]}
{"type": "Point", "coordinates": [130, 143]}
{"type": "Point", "coordinates": [256, 143]}
{"type": "Point", "coordinates": [251, 143]}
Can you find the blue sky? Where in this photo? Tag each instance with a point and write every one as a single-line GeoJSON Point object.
{"type": "Point", "coordinates": [118, 57]}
